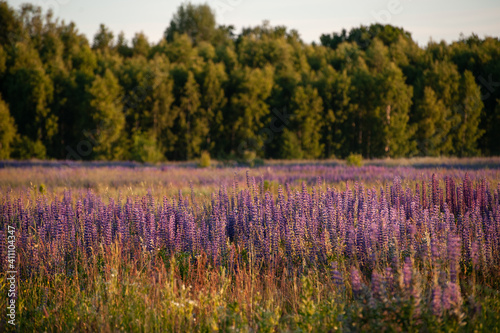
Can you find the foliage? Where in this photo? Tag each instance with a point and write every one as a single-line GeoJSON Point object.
{"type": "Point", "coordinates": [204, 160]}
{"type": "Point", "coordinates": [354, 160]}
{"type": "Point", "coordinates": [198, 22]}
{"type": "Point", "coordinates": [7, 130]}
{"type": "Point", "coordinates": [108, 119]}
{"type": "Point", "coordinates": [371, 90]}
{"type": "Point", "coordinates": [249, 158]}
{"type": "Point", "coordinates": [27, 149]}
{"type": "Point", "coordinates": [145, 148]}
{"type": "Point", "coordinates": [434, 125]}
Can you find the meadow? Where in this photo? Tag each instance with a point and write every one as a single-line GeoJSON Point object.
{"type": "Point", "coordinates": [400, 246]}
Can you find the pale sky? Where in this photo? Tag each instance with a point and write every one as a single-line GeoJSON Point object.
{"type": "Point", "coordinates": [424, 19]}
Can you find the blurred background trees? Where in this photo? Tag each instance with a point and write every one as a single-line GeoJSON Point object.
{"type": "Point", "coordinates": [204, 88]}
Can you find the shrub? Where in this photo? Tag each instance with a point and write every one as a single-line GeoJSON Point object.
{"type": "Point", "coordinates": [354, 160]}
{"type": "Point", "coordinates": [25, 148]}
{"type": "Point", "coordinates": [204, 159]}
{"type": "Point", "coordinates": [250, 159]}
{"type": "Point", "coordinates": [291, 149]}
{"type": "Point", "coordinates": [145, 149]}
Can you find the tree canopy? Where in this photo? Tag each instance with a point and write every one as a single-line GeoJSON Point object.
{"type": "Point", "coordinates": [371, 91]}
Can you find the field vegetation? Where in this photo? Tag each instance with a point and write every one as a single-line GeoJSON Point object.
{"type": "Point", "coordinates": [290, 247]}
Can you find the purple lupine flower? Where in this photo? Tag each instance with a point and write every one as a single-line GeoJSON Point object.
{"type": "Point", "coordinates": [360, 222]}
{"type": "Point", "coordinates": [151, 234]}
{"type": "Point", "coordinates": [350, 241]}
{"type": "Point", "coordinates": [477, 253]}
{"type": "Point", "coordinates": [434, 190]}
{"type": "Point", "coordinates": [108, 228]}
{"type": "Point", "coordinates": [89, 235]}
{"type": "Point", "coordinates": [436, 302]}
{"type": "Point", "coordinates": [389, 279]}
{"type": "Point", "coordinates": [79, 210]}
{"type": "Point", "coordinates": [407, 273]}
{"type": "Point", "coordinates": [3, 252]}
{"type": "Point", "coordinates": [424, 196]}
{"type": "Point", "coordinates": [356, 282]}
{"type": "Point", "coordinates": [248, 178]}
{"type": "Point", "coordinates": [466, 190]}
{"type": "Point", "coordinates": [336, 275]}
{"type": "Point", "coordinates": [8, 212]}
{"type": "Point", "coordinates": [453, 256]}
{"type": "Point", "coordinates": [377, 281]}
{"type": "Point", "coordinates": [452, 298]}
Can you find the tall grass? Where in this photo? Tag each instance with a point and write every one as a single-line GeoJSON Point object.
{"type": "Point", "coordinates": [409, 255]}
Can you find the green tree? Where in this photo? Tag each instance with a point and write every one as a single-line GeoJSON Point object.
{"type": "Point", "coordinates": [26, 148]}
{"type": "Point", "coordinates": [107, 116]}
{"type": "Point", "coordinates": [360, 120]}
{"type": "Point", "coordinates": [377, 102]}
{"type": "Point", "coordinates": [163, 113]}
{"type": "Point", "coordinates": [434, 125]}
{"type": "Point", "coordinates": [286, 81]}
{"type": "Point", "coordinates": [213, 101]}
{"type": "Point", "coordinates": [469, 111]}
{"type": "Point", "coordinates": [395, 98]}
{"type": "Point", "coordinates": [145, 148]}
{"type": "Point", "coordinates": [291, 146]}
{"type": "Point", "coordinates": [480, 57]}
{"type": "Point", "coordinates": [377, 56]}
{"type": "Point", "coordinates": [371, 91]}
{"type": "Point", "coordinates": [11, 25]}
{"type": "Point", "coordinates": [140, 45]}
{"type": "Point", "coordinates": [192, 120]}
{"type": "Point", "coordinates": [248, 109]}
{"type": "Point", "coordinates": [3, 61]}
{"type": "Point", "coordinates": [496, 122]}
{"type": "Point", "coordinates": [103, 39]}
{"type": "Point", "coordinates": [196, 21]}
{"type": "Point", "coordinates": [137, 80]}
{"type": "Point", "coordinates": [72, 99]}
{"type": "Point", "coordinates": [180, 49]}
{"type": "Point", "coordinates": [264, 45]}
{"type": "Point", "coordinates": [122, 46]}
{"type": "Point", "coordinates": [206, 51]}
{"type": "Point", "coordinates": [29, 92]}
{"type": "Point", "coordinates": [7, 130]}
{"type": "Point", "coordinates": [444, 79]}
{"type": "Point", "coordinates": [364, 35]}
{"type": "Point", "coordinates": [334, 89]}
{"type": "Point", "coordinates": [226, 55]}
{"type": "Point", "coordinates": [383, 101]}
{"type": "Point", "coordinates": [306, 108]}
{"type": "Point", "coordinates": [78, 53]}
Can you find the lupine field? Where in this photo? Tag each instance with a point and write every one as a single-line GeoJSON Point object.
{"type": "Point", "coordinates": [306, 248]}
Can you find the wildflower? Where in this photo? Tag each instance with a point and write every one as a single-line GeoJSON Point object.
{"type": "Point", "coordinates": [355, 282]}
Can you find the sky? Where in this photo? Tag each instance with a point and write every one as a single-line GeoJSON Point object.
{"type": "Point", "coordinates": [424, 19]}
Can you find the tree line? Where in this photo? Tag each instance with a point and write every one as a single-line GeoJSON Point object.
{"type": "Point", "coordinates": [372, 91]}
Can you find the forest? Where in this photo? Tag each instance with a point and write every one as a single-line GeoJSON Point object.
{"type": "Point", "coordinates": [264, 91]}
